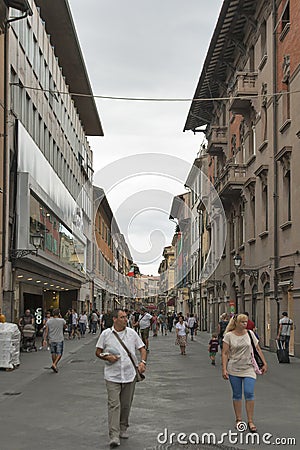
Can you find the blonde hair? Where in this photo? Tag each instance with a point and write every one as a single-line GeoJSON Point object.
{"type": "Point", "coordinates": [233, 321]}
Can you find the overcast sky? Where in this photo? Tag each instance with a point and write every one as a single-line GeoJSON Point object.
{"type": "Point", "coordinates": [153, 49]}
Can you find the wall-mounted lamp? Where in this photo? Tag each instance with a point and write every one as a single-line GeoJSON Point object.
{"type": "Point", "coordinates": [37, 242]}
{"type": "Point", "coordinates": [237, 260]}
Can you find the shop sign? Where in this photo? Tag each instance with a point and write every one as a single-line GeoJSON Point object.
{"type": "Point", "coordinates": [38, 317]}
{"type": "Point", "coordinates": [232, 307]}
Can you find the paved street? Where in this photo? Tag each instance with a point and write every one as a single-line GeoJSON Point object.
{"type": "Point", "coordinates": [185, 394]}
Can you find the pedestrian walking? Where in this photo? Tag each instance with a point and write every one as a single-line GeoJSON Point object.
{"type": "Point", "coordinates": [155, 325]}
{"type": "Point", "coordinates": [46, 318]}
{"type": "Point", "coordinates": [284, 332]}
{"type": "Point", "coordinates": [224, 320]}
{"type": "Point", "coordinates": [163, 324]}
{"type": "Point", "coordinates": [107, 320]}
{"type": "Point", "coordinates": [94, 321]}
{"type": "Point", "coordinates": [145, 321]}
{"type": "Point", "coordinates": [191, 325]}
{"type": "Point", "coordinates": [55, 334]}
{"type": "Point", "coordinates": [83, 321]}
{"type": "Point", "coordinates": [75, 331]}
{"type": "Point", "coordinates": [213, 347]}
{"type": "Point", "coordinates": [170, 320]}
{"type": "Point", "coordinates": [237, 366]}
{"type": "Point", "coordinates": [250, 323]}
{"type": "Point", "coordinates": [68, 319]}
{"type": "Point", "coordinates": [181, 328]}
{"type": "Point", "coordinates": [135, 321]}
{"type": "Point", "coordinates": [119, 373]}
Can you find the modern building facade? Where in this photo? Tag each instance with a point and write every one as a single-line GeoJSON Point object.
{"type": "Point", "coordinates": [49, 164]}
{"type": "Point", "coordinates": [252, 71]}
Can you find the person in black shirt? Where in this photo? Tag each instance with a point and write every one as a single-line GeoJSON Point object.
{"type": "Point", "coordinates": [107, 320]}
{"type": "Point", "coordinates": [26, 319]}
{"type": "Point", "coordinates": [213, 347]}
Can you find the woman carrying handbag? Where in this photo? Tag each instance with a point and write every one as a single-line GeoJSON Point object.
{"type": "Point", "coordinates": [237, 367]}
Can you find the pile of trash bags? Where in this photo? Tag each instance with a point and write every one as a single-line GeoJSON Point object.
{"type": "Point", "coordinates": [9, 345]}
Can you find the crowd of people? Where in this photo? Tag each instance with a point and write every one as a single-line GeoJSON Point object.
{"type": "Point", "coordinates": [122, 333]}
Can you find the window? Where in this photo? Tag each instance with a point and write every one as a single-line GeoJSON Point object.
{"type": "Point", "coordinates": [252, 214]}
{"type": "Point", "coordinates": [231, 232]}
{"type": "Point", "coordinates": [251, 60]}
{"type": "Point", "coordinates": [264, 122]}
{"type": "Point", "coordinates": [285, 20]}
{"type": "Point", "coordinates": [287, 102]}
{"type": "Point", "coordinates": [263, 39]}
{"type": "Point", "coordinates": [287, 194]}
{"type": "Point", "coordinates": [265, 207]}
{"type": "Point", "coordinates": [242, 225]}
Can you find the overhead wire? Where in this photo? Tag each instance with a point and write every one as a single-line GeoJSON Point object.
{"type": "Point", "coordinates": [153, 99]}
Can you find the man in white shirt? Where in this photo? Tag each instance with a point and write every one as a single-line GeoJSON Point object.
{"type": "Point", "coordinates": [119, 373]}
{"type": "Point", "coordinates": [145, 321]}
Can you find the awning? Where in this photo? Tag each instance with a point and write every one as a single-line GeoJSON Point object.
{"type": "Point", "coordinates": [171, 302]}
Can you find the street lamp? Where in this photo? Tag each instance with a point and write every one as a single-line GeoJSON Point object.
{"type": "Point", "coordinates": [237, 260]}
{"type": "Point", "coordinates": [36, 240]}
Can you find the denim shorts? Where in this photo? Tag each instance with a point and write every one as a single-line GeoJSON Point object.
{"type": "Point", "coordinates": [57, 347]}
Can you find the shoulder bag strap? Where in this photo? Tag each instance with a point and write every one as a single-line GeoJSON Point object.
{"type": "Point", "coordinates": [125, 348]}
{"type": "Point", "coordinates": [253, 346]}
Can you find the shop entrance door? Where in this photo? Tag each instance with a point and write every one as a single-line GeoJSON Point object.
{"type": "Point", "coordinates": [34, 302]}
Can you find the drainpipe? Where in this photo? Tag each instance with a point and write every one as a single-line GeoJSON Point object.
{"type": "Point", "coordinates": [275, 145]}
{"type": "Point", "coordinates": [6, 159]}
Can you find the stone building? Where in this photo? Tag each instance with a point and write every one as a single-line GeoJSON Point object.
{"type": "Point", "coordinates": [248, 101]}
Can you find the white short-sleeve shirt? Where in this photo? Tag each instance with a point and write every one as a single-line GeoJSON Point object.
{"type": "Point", "coordinates": [181, 328]}
{"type": "Point", "coordinates": [122, 371]}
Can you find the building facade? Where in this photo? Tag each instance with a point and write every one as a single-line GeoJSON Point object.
{"type": "Point", "coordinates": [49, 164]}
{"type": "Point", "coordinates": [252, 69]}
{"type": "Point", "coordinates": [111, 259]}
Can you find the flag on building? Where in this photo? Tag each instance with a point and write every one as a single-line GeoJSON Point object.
{"type": "Point", "coordinates": [131, 272]}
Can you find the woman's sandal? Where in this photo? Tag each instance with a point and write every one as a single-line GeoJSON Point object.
{"type": "Point", "coordinates": [252, 427]}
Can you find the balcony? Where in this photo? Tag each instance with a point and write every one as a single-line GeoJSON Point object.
{"type": "Point", "coordinates": [217, 140]}
{"type": "Point", "coordinates": [231, 181]}
{"type": "Point", "coordinates": [244, 91]}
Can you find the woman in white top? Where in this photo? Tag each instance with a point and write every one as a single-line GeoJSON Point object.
{"type": "Point", "coordinates": [83, 320]}
{"type": "Point", "coordinates": [181, 334]}
{"type": "Point", "coordinates": [237, 366]}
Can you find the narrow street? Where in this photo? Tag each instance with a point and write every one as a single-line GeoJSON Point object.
{"type": "Point", "coordinates": [184, 394]}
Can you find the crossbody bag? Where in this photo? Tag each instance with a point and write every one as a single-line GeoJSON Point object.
{"type": "Point", "coordinates": [139, 376]}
